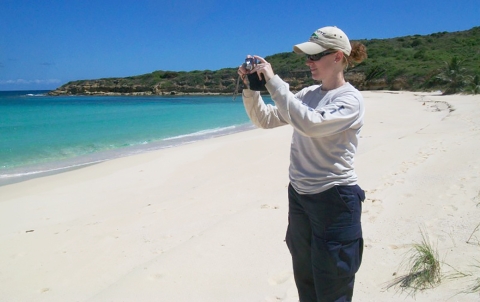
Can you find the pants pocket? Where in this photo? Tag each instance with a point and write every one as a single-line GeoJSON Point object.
{"type": "Point", "coordinates": [339, 253]}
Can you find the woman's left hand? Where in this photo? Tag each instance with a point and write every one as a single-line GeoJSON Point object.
{"type": "Point", "coordinates": [263, 69]}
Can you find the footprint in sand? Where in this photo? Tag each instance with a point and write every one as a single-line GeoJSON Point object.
{"type": "Point", "coordinates": [280, 278]}
{"type": "Point", "coordinates": [267, 206]}
{"type": "Point", "coordinates": [450, 208]}
{"type": "Point", "coordinates": [398, 246]}
{"type": "Point", "coordinates": [155, 277]}
{"type": "Point", "coordinates": [372, 207]}
{"type": "Point", "coordinates": [477, 199]}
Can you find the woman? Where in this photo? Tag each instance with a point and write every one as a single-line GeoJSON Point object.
{"type": "Point", "coordinates": [324, 232]}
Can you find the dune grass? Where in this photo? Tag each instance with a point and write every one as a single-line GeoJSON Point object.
{"type": "Point", "coordinates": [469, 240]}
{"type": "Point", "coordinates": [475, 287]}
{"type": "Point", "coordinates": [423, 266]}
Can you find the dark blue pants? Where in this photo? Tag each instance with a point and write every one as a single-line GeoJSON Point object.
{"type": "Point", "coordinates": [324, 237]}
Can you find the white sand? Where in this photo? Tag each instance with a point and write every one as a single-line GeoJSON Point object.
{"type": "Point", "coordinates": [206, 221]}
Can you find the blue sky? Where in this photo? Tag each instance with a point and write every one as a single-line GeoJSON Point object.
{"type": "Point", "coordinates": [45, 44]}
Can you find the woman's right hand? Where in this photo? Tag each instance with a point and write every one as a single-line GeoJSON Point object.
{"type": "Point", "coordinates": [242, 72]}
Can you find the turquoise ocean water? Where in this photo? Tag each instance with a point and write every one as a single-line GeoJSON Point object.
{"type": "Point", "coordinates": [41, 134]}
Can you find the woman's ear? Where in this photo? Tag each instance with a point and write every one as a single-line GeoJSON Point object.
{"type": "Point", "coordinates": [339, 56]}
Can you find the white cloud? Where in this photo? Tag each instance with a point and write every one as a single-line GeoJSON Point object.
{"type": "Point", "coordinates": [26, 82]}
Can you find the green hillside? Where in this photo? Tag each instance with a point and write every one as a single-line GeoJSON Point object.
{"type": "Point", "coordinates": [448, 61]}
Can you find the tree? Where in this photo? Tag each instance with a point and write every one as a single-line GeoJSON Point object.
{"type": "Point", "coordinates": [454, 75]}
{"type": "Point", "coordinates": [474, 85]}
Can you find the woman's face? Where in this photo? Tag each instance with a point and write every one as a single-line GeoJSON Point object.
{"type": "Point", "coordinates": [323, 68]}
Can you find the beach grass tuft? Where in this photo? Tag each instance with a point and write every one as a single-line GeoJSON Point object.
{"type": "Point", "coordinates": [472, 235]}
{"type": "Point", "coordinates": [475, 287]}
{"type": "Point", "coordinates": [423, 266]}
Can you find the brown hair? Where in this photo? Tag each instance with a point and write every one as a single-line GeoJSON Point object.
{"type": "Point", "coordinates": [357, 55]}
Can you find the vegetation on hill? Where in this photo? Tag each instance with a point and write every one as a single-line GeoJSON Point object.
{"type": "Point", "coordinates": [447, 61]}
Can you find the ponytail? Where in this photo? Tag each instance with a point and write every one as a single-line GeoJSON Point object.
{"type": "Point", "coordinates": [357, 55]}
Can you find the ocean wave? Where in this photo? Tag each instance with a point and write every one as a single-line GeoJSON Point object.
{"type": "Point", "coordinates": [32, 94]}
{"type": "Point", "coordinates": [203, 133]}
{"type": "Point", "coordinates": [47, 170]}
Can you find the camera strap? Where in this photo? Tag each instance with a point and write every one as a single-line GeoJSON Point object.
{"type": "Point", "coordinates": [235, 93]}
{"type": "Point", "coordinates": [236, 88]}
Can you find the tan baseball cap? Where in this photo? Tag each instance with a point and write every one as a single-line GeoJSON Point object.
{"type": "Point", "coordinates": [329, 37]}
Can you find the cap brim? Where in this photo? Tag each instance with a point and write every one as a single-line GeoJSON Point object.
{"type": "Point", "coordinates": [308, 48]}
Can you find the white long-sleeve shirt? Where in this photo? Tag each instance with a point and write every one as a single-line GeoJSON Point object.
{"type": "Point", "coordinates": [326, 131]}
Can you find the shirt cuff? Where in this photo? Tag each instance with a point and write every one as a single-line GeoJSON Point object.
{"type": "Point", "coordinates": [248, 93]}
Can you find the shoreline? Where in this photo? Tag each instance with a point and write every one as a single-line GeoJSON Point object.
{"type": "Point", "coordinates": [171, 94]}
{"type": "Point", "coordinates": [206, 221]}
{"type": "Point", "coordinates": [23, 173]}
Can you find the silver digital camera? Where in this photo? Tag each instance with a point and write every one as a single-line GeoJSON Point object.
{"type": "Point", "coordinates": [254, 82]}
{"type": "Point", "coordinates": [250, 63]}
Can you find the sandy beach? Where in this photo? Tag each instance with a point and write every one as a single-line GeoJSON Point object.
{"type": "Point", "coordinates": [206, 221]}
